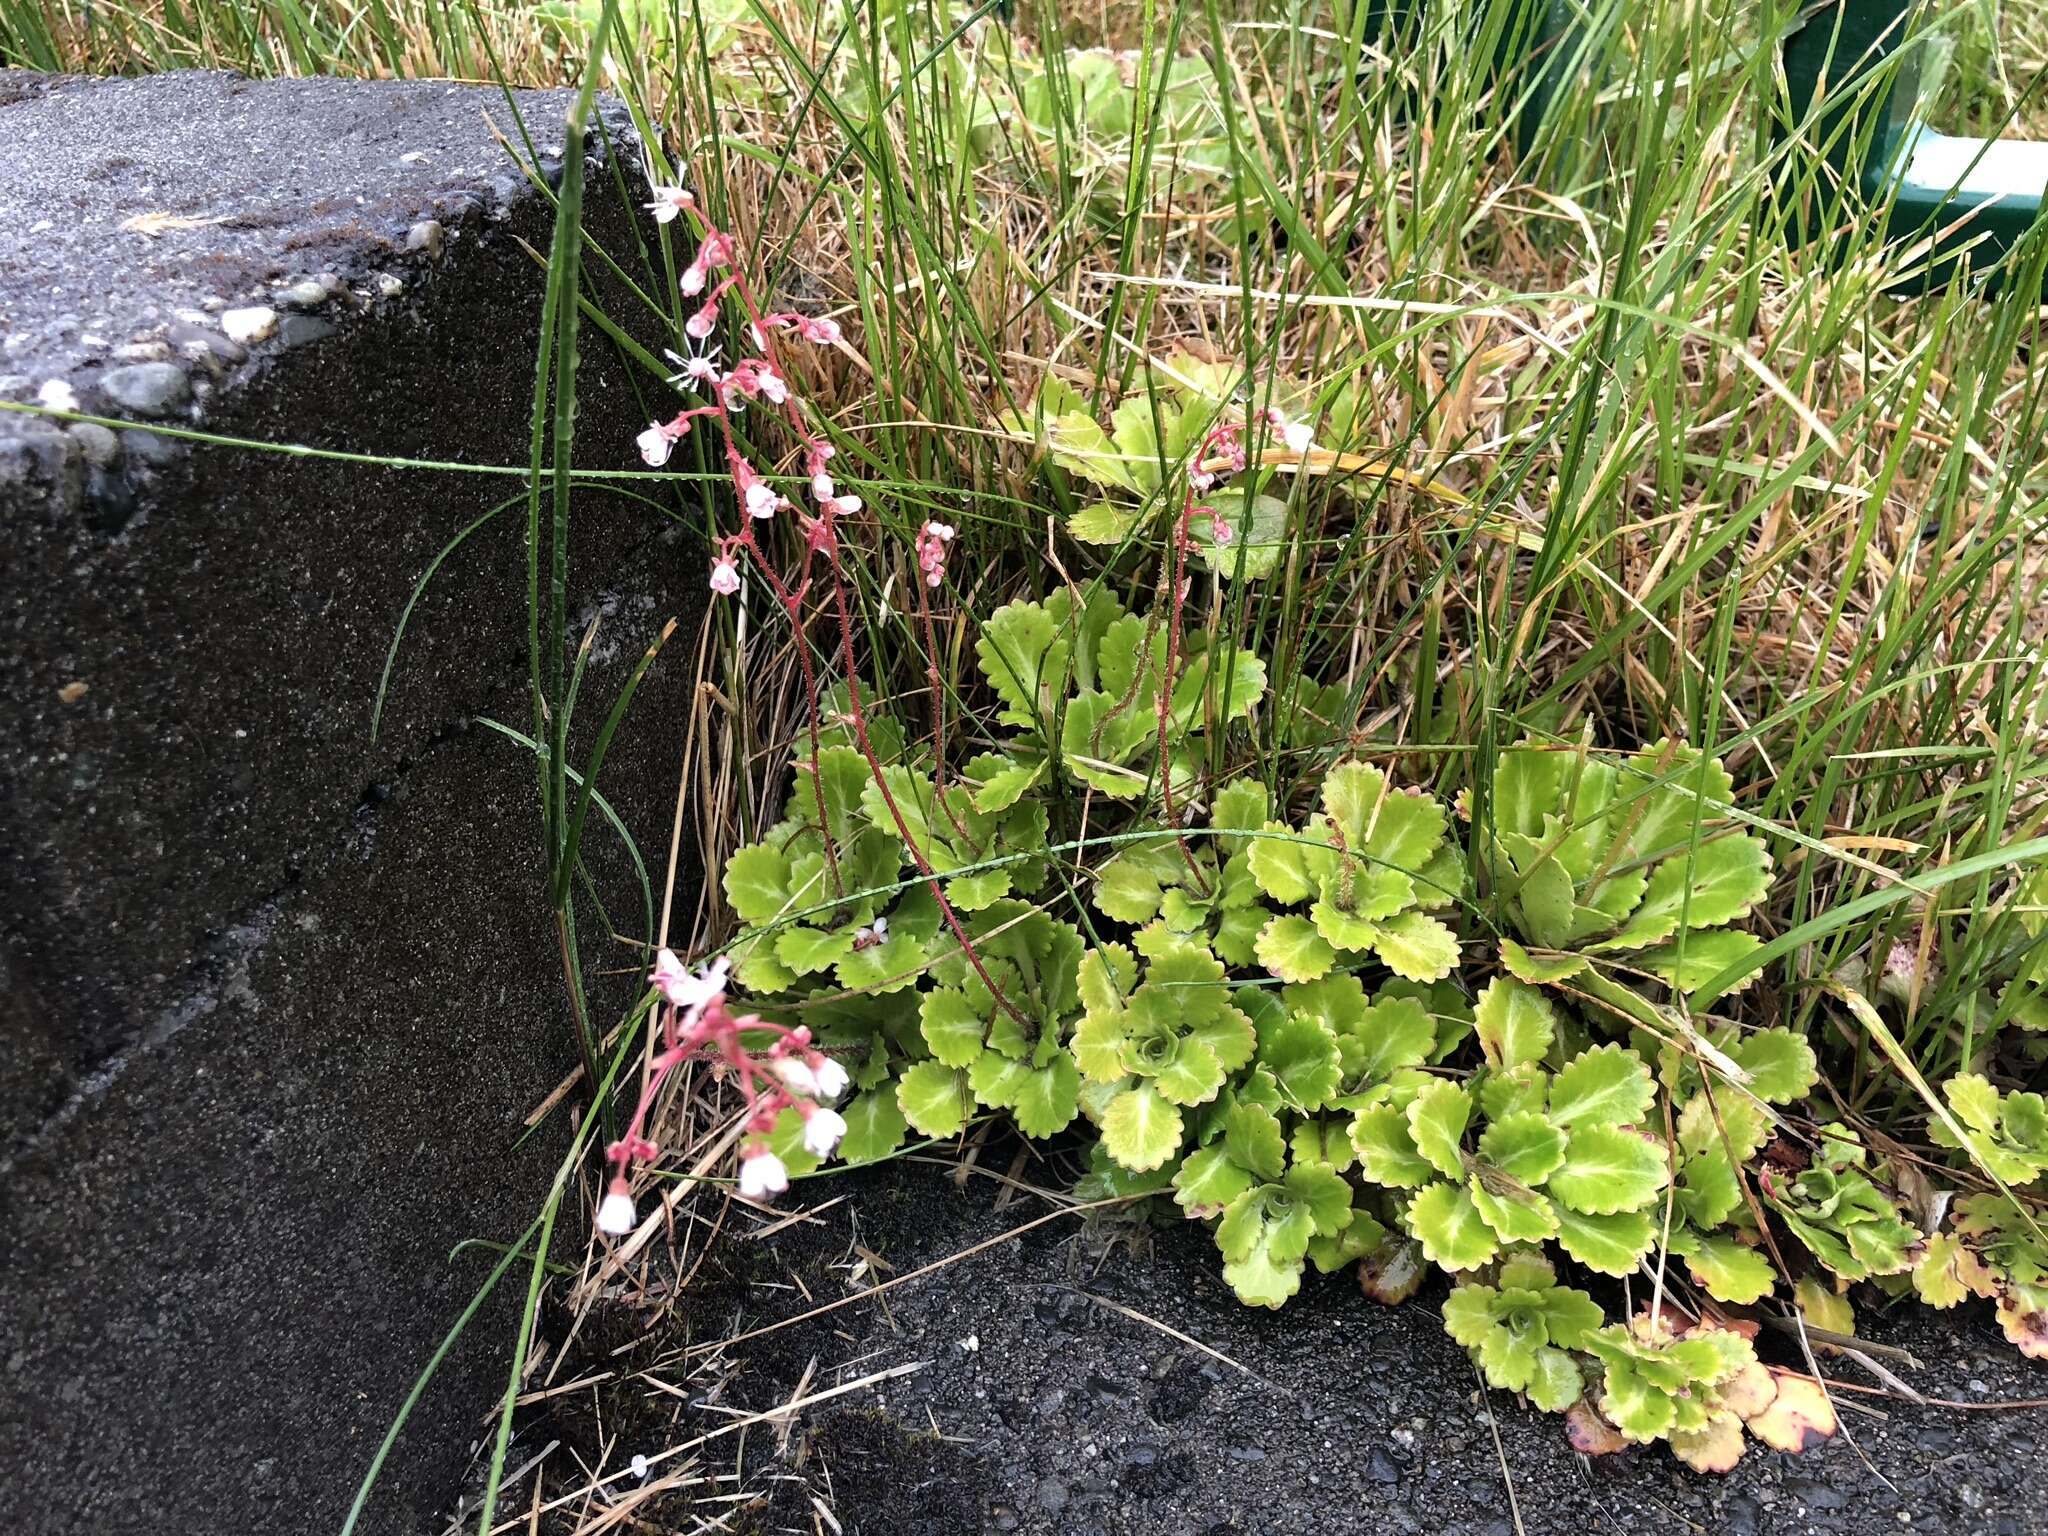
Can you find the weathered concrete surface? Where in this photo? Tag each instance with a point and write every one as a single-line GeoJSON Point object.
{"type": "Point", "coordinates": [275, 998]}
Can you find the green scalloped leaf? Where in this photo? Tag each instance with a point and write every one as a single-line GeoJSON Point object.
{"type": "Point", "coordinates": [1048, 1098]}
{"type": "Point", "coordinates": [1208, 1180]}
{"type": "Point", "coordinates": [1546, 969]}
{"type": "Point", "coordinates": [1781, 1065]}
{"type": "Point", "coordinates": [1302, 1055]}
{"type": "Point", "coordinates": [1232, 691]}
{"type": "Point", "coordinates": [1454, 1236]}
{"type": "Point", "coordinates": [1608, 1245]}
{"type": "Point", "coordinates": [1287, 867]}
{"type": "Point", "coordinates": [1608, 1169]}
{"type": "Point", "coordinates": [1517, 1215]}
{"type": "Point", "coordinates": [1392, 1032]}
{"type": "Point", "coordinates": [1729, 878]}
{"type": "Point", "coordinates": [1252, 1136]}
{"type": "Point", "coordinates": [1386, 1151]}
{"type": "Point", "coordinates": [953, 1031]}
{"type": "Point", "coordinates": [1016, 644]}
{"type": "Point", "coordinates": [757, 883]}
{"type": "Point", "coordinates": [1730, 1271]}
{"type": "Point", "coordinates": [1526, 1147]}
{"type": "Point", "coordinates": [1262, 1280]}
{"type": "Point", "coordinates": [1514, 1022]}
{"type": "Point", "coordinates": [1191, 1076]}
{"type": "Point", "coordinates": [808, 950]}
{"type": "Point", "coordinates": [875, 1127]}
{"type": "Point", "coordinates": [1607, 1085]}
{"type": "Point", "coordinates": [1416, 946]}
{"type": "Point", "coordinates": [935, 1098]}
{"type": "Point", "coordinates": [1240, 806]}
{"type": "Point", "coordinates": [1556, 1381]}
{"type": "Point", "coordinates": [1290, 948]}
{"type": "Point", "coordinates": [1437, 1118]}
{"type": "Point", "coordinates": [1141, 1129]}
{"type": "Point", "coordinates": [1108, 977]}
{"type": "Point", "coordinates": [1705, 956]}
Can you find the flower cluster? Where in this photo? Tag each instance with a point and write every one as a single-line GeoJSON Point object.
{"type": "Point", "coordinates": [932, 542]}
{"type": "Point", "coordinates": [789, 1074]}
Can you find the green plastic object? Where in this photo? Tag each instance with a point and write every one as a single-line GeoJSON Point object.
{"type": "Point", "coordinates": [1855, 73]}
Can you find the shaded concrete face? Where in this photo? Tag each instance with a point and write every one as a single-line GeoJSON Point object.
{"type": "Point", "coordinates": [275, 999]}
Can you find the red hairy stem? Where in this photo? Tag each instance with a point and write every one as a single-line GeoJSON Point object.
{"type": "Point", "coordinates": [860, 729]}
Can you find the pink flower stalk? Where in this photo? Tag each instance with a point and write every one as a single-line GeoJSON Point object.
{"type": "Point", "coordinates": [789, 1074]}
{"type": "Point", "coordinates": [668, 202]}
{"type": "Point", "coordinates": [715, 251]}
{"type": "Point", "coordinates": [932, 541]}
{"type": "Point", "coordinates": [817, 559]}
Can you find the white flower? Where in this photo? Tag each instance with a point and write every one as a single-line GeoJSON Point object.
{"type": "Point", "coordinates": [58, 395]}
{"type": "Point", "coordinates": [615, 1214]}
{"type": "Point", "coordinates": [1295, 434]}
{"type": "Point", "coordinates": [682, 988]}
{"type": "Point", "coordinates": [773, 389]}
{"type": "Point", "coordinates": [846, 504]}
{"type": "Point", "coordinates": [638, 1467]}
{"type": "Point", "coordinates": [761, 499]}
{"type": "Point", "coordinates": [761, 1175]}
{"type": "Point", "coordinates": [668, 202]}
{"type": "Point", "coordinates": [822, 487]}
{"type": "Point", "coordinates": [796, 1073]}
{"type": "Point", "coordinates": [725, 578]}
{"type": "Point", "coordinates": [822, 1132]}
{"type": "Point", "coordinates": [655, 446]}
{"type": "Point", "coordinates": [881, 927]}
{"type": "Point", "coordinates": [830, 1078]}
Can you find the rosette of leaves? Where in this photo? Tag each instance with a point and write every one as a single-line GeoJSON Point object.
{"type": "Point", "coordinates": [1994, 1250]}
{"type": "Point", "coordinates": [1105, 731]}
{"type": "Point", "coordinates": [1519, 1154]}
{"type": "Point", "coordinates": [1840, 1214]}
{"type": "Point", "coordinates": [1271, 1161]}
{"type": "Point", "coordinates": [1612, 873]}
{"type": "Point", "coordinates": [1010, 1058]}
{"type": "Point", "coordinates": [2005, 1133]}
{"type": "Point", "coordinates": [1202, 890]}
{"type": "Point", "coordinates": [1155, 1044]}
{"type": "Point", "coordinates": [955, 836]}
{"type": "Point", "coordinates": [1523, 1329]}
{"type": "Point", "coordinates": [1372, 865]}
{"type": "Point", "coordinates": [1696, 1386]}
{"type": "Point", "coordinates": [1086, 126]}
{"type": "Point", "coordinates": [813, 882]}
{"type": "Point", "coordinates": [1135, 462]}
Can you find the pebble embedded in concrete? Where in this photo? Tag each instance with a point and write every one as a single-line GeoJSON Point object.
{"type": "Point", "coordinates": [425, 236]}
{"type": "Point", "coordinates": [147, 389]}
{"type": "Point", "coordinates": [307, 293]}
{"type": "Point", "coordinates": [249, 325]}
{"type": "Point", "coordinates": [99, 445]}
